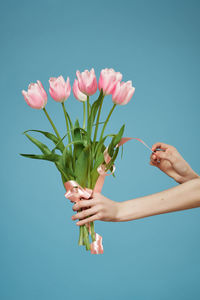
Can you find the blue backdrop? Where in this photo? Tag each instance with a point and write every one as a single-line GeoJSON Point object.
{"type": "Point", "coordinates": [155, 44]}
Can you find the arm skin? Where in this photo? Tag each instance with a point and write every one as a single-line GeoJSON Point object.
{"type": "Point", "coordinates": [185, 196]}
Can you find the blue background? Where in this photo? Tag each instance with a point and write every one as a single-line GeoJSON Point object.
{"type": "Point", "coordinates": [155, 44]}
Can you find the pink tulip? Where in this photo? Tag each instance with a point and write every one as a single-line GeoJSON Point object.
{"type": "Point", "coordinates": [87, 82]}
{"type": "Point", "coordinates": [77, 93]}
{"type": "Point", "coordinates": [108, 80]}
{"type": "Point", "coordinates": [35, 97]}
{"type": "Point", "coordinates": [59, 89]}
{"type": "Point", "coordinates": [123, 92]}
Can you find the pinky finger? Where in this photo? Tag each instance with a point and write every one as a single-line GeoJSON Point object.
{"type": "Point", "coordinates": [87, 220]}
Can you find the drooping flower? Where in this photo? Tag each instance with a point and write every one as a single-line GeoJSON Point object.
{"type": "Point", "coordinates": [123, 92]}
{"type": "Point", "coordinates": [87, 82]}
{"type": "Point", "coordinates": [59, 89]}
{"type": "Point", "coordinates": [77, 93]}
{"type": "Point", "coordinates": [35, 97]}
{"type": "Point", "coordinates": [108, 80]}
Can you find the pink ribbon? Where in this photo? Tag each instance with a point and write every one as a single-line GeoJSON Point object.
{"type": "Point", "coordinates": [74, 192]}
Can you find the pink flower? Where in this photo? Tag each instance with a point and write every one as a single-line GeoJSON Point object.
{"type": "Point", "coordinates": [59, 89]}
{"type": "Point", "coordinates": [108, 80]}
{"type": "Point", "coordinates": [77, 93]}
{"type": "Point", "coordinates": [123, 92]}
{"type": "Point", "coordinates": [35, 97]}
{"type": "Point", "coordinates": [87, 82]}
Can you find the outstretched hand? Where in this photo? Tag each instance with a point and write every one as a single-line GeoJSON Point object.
{"type": "Point", "coordinates": [169, 160]}
{"type": "Point", "coordinates": [96, 208]}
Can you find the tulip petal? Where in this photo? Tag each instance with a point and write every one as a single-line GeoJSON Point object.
{"type": "Point", "coordinates": [123, 92]}
{"type": "Point", "coordinates": [59, 89]}
{"type": "Point", "coordinates": [87, 82]}
{"type": "Point", "coordinates": [108, 80]}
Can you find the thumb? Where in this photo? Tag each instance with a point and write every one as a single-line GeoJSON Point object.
{"type": "Point", "coordinates": [89, 191]}
{"type": "Point", "coordinates": [165, 155]}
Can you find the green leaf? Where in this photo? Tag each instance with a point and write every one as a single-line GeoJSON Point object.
{"type": "Point", "coordinates": [93, 113]}
{"type": "Point", "coordinates": [84, 135]}
{"type": "Point", "coordinates": [96, 105]}
{"type": "Point", "coordinates": [50, 136]}
{"type": "Point", "coordinates": [76, 124]}
{"type": "Point", "coordinates": [94, 173]}
{"type": "Point", "coordinates": [81, 167]}
{"type": "Point", "coordinates": [51, 157]}
{"type": "Point", "coordinates": [100, 143]}
{"type": "Point", "coordinates": [62, 171]}
{"type": "Point", "coordinates": [76, 142]}
{"type": "Point", "coordinates": [116, 139]}
{"type": "Point", "coordinates": [65, 171]}
{"type": "Point", "coordinates": [58, 144]}
{"type": "Point", "coordinates": [67, 159]}
{"type": "Point", "coordinates": [77, 137]}
{"type": "Point", "coordinates": [110, 164]}
{"type": "Point", "coordinates": [40, 145]}
{"type": "Point", "coordinates": [98, 162]}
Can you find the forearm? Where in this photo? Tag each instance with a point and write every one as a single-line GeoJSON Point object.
{"type": "Point", "coordinates": [184, 196]}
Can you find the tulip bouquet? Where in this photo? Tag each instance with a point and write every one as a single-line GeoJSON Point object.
{"type": "Point", "coordinates": [83, 161]}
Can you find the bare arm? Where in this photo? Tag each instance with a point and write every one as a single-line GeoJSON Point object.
{"type": "Point", "coordinates": [184, 196]}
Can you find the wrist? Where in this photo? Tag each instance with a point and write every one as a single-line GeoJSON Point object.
{"type": "Point", "coordinates": [117, 215]}
{"type": "Point", "coordinates": [127, 210]}
{"type": "Point", "coordinates": [190, 175]}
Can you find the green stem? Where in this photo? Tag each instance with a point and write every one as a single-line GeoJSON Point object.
{"type": "Point", "coordinates": [81, 240]}
{"type": "Point", "coordinates": [97, 123]}
{"type": "Point", "coordinates": [92, 231]}
{"type": "Point", "coordinates": [88, 108]}
{"type": "Point", "coordinates": [52, 124]}
{"type": "Point", "coordinates": [89, 167]}
{"type": "Point", "coordinates": [84, 115]}
{"type": "Point", "coordinates": [108, 117]}
{"type": "Point", "coordinates": [88, 114]}
{"type": "Point", "coordinates": [67, 125]}
{"type": "Point", "coordinates": [86, 237]}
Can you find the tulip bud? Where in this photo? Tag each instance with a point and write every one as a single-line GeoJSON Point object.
{"type": "Point", "coordinates": [87, 82]}
{"type": "Point", "coordinates": [123, 92]}
{"type": "Point", "coordinates": [35, 97]}
{"type": "Point", "coordinates": [108, 80]}
{"type": "Point", "coordinates": [59, 89]}
{"type": "Point", "coordinates": [77, 93]}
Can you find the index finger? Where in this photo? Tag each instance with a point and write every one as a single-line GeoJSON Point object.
{"type": "Point", "coordinates": [160, 145]}
{"type": "Point", "coordinates": [153, 157]}
{"type": "Point", "coordinates": [83, 204]}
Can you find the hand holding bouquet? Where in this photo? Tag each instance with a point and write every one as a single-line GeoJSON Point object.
{"type": "Point", "coordinates": [83, 161]}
